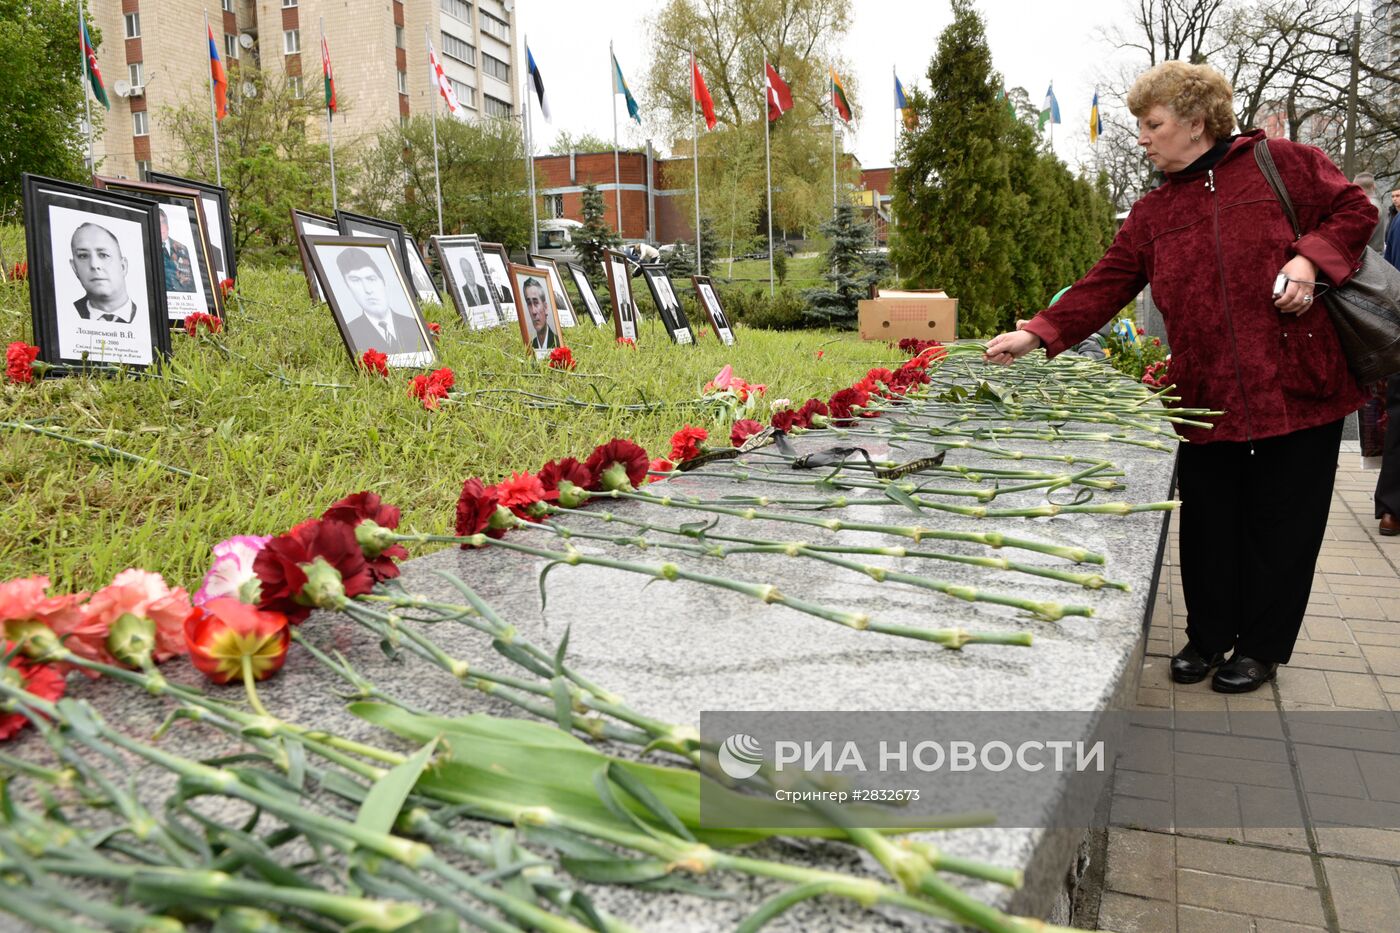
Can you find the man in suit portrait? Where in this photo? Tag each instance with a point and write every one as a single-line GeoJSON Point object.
{"type": "Point", "coordinates": [98, 263]}
{"type": "Point", "coordinates": [537, 312]}
{"type": "Point", "coordinates": [472, 288]}
{"type": "Point", "coordinates": [378, 325]}
{"type": "Point", "coordinates": [712, 302]}
{"type": "Point", "coordinates": [179, 273]}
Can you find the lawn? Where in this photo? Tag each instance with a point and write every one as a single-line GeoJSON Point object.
{"type": "Point", "coordinates": [803, 271]}
{"type": "Point", "coordinates": [268, 453]}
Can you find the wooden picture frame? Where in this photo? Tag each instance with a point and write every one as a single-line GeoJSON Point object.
{"type": "Point", "coordinates": [463, 266]}
{"type": "Point", "coordinates": [94, 254]}
{"type": "Point", "coordinates": [624, 306]}
{"type": "Point", "coordinates": [498, 271]}
{"type": "Point", "coordinates": [305, 224]}
{"type": "Point", "coordinates": [708, 300]}
{"type": "Point", "coordinates": [596, 312]}
{"type": "Point", "coordinates": [668, 303]}
{"type": "Point", "coordinates": [365, 286]}
{"type": "Point", "coordinates": [567, 316]}
{"type": "Point", "coordinates": [535, 300]}
{"type": "Point", "coordinates": [216, 214]}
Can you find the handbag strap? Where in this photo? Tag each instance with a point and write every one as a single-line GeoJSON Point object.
{"type": "Point", "coordinates": [1265, 160]}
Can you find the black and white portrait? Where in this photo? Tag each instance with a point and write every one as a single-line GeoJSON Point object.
{"type": "Point", "coordinates": [668, 306]}
{"type": "Point", "coordinates": [620, 288]}
{"type": "Point", "coordinates": [464, 273]}
{"type": "Point", "coordinates": [361, 225]}
{"type": "Point", "coordinates": [499, 278]}
{"type": "Point", "coordinates": [308, 224]}
{"type": "Point", "coordinates": [370, 299]}
{"type": "Point", "coordinates": [709, 301]}
{"type": "Point", "coordinates": [539, 321]}
{"type": "Point", "coordinates": [96, 278]}
{"type": "Point", "coordinates": [586, 293]}
{"type": "Point", "coordinates": [556, 284]}
{"type": "Point", "coordinates": [418, 271]}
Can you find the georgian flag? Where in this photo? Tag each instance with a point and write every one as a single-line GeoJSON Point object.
{"type": "Point", "coordinates": [444, 86]}
{"type": "Point", "coordinates": [537, 82]}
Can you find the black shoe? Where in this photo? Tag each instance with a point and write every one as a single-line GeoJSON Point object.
{"type": "Point", "coordinates": [1191, 667]}
{"type": "Point", "coordinates": [1243, 675]}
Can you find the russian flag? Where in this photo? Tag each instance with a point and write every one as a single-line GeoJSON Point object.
{"type": "Point", "coordinates": [217, 77]}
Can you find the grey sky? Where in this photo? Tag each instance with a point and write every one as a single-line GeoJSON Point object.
{"type": "Point", "coordinates": [1032, 44]}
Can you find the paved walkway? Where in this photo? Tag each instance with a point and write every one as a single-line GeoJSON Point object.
{"type": "Point", "coordinates": [1260, 880]}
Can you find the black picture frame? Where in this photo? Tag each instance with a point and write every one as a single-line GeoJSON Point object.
{"type": "Point", "coordinates": [462, 287]}
{"type": "Point", "coordinates": [419, 275]}
{"type": "Point", "coordinates": [708, 300]}
{"type": "Point", "coordinates": [63, 329]}
{"type": "Point", "coordinates": [185, 208]}
{"type": "Point", "coordinates": [216, 214]}
{"type": "Point", "coordinates": [498, 271]}
{"type": "Point", "coordinates": [562, 305]}
{"type": "Point", "coordinates": [668, 303]}
{"type": "Point", "coordinates": [416, 349]}
{"type": "Point", "coordinates": [521, 277]}
{"type": "Point", "coordinates": [304, 224]}
{"type": "Point", "coordinates": [624, 305]}
{"type": "Point", "coordinates": [363, 225]}
{"type": "Point", "coordinates": [596, 312]}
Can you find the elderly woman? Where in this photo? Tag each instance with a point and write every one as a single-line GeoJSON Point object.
{"type": "Point", "coordinates": [1212, 241]}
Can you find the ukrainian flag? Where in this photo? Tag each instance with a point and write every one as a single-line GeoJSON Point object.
{"type": "Point", "coordinates": [1095, 121]}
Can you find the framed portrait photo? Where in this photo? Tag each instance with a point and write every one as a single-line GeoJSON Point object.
{"type": "Point", "coordinates": [371, 299]}
{"type": "Point", "coordinates": [190, 285]}
{"type": "Point", "coordinates": [218, 220]}
{"type": "Point", "coordinates": [419, 273]}
{"type": "Point", "coordinates": [362, 225]}
{"type": "Point", "coordinates": [668, 305]}
{"type": "Point", "coordinates": [498, 272]}
{"type": "Point", "coordinates": [539, 319]}
{"type": "Point", "coordinates": [96, 275]}
{"type": "Point", "coordinates": [308, 224]}
{"type": "Point", "coordinates": [464, 273]}
{"type": "Point", "coordinates": [620, 290]}
{"type": "Point", "coordinates": [567, 318]}
{"type": "Point", "coordinates": [587, 295]}
{"type": "Point", "coordinates": [709, 300]}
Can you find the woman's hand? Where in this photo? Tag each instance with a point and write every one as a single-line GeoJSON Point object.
{"type": "Point", "coordinates": [1006, 348]}
{"type": "Point", "coordinates": [1297, 294]}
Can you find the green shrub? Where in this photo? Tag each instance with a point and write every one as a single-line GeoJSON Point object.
{"type": "Point", "coordinates": [753, 307]}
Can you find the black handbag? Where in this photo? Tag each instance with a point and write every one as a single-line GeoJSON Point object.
{"type": "Point", "coordinates": [1366, 310]}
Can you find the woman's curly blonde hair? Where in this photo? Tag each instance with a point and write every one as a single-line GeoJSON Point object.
{"type": "Point", "coordinates": [1188, 91]}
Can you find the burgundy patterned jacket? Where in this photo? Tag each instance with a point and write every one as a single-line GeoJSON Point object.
{"type": "Point", "coordinates": [1211, 243]}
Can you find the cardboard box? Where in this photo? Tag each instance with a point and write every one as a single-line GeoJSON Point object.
{"type": "Point", "coordinates": [925, 314]}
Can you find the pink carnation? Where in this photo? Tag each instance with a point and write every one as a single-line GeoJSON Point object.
{"type": "Point", "coordinates": [232, 571]}
{"type": "Point", "coordinates": [143, 594]}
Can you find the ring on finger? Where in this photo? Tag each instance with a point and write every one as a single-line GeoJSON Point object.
{"type": "Point", "coordinates": [1307, 299]}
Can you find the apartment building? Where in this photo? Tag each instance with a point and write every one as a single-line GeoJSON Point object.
{"type": "Point", "coordinates": [154, 56]}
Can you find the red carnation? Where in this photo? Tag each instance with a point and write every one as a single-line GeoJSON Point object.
{"type": "Point", "coordinates": [316, 564]}
{"type": "Point", "coordinates": [659, 465]}
{"type": "Point", "coordinates": [561, 358]}
{"type": "Point", "coordinates": [685, 443]}
{"type": "Point", "coordinates": [19, 361]}
{"type": "Point", "coordinates": [224, 631]}
{"type": "Point", "coordinates": [812, 407]}
{"type": "Point", "coordinates": [226, 286]}
{"type": "Point", "coordinates": [618, 464]}
{"type": "Point", "coordinates": [627, 342]}
{"type": "Point", "coordinates": [372, 361]}
{"type": "Point", "coordinates": [842, 403]}
{"type": "Point", "coordinates": [475, 506]}
{"type": "Point", "coordinates": [518, 492]}
{"type": "Point", "coordinates": [786, 420]}
{"type": "Point", "coordinates": [880, 374]}
{"type": "Point", "coordinates": [356, 509]}
{"type": "Point", "coordinates": [435, 327]}
{"type": "Point", "coordinates": [743, 430]}
{"type": "Point", "coordinates": [211, 323]}
{"type": "Point", "coordinates": [42, 680]}
{"type": "Point", "coordinates": [908, 377]}
{"type": "Point", "coordinates": [821, 353]}
{"type": "Point", "coordinates": [431, 387]}
{"type": "Point", "coordinates": [556, 472]}
{"type": "Point", "coordinates": [19, 271]}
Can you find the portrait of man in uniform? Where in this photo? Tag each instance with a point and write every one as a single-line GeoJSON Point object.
{"type": "Point", "coordinates": [179, 272]}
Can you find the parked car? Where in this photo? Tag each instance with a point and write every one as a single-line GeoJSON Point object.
{"type": "Point", "coordinates": [556, 239]}
{"type": "Point", "coordinates": [763, 253]}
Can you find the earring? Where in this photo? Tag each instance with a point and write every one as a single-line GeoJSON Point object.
{"type": "Point", "coordinates": [1196, 138]}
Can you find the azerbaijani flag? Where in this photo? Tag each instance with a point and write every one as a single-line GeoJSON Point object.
{"type": "Point", "coordinates": [537, 82]}
{"type": "Point", "coordinates": [326, 74]}
{"type": "Point", "coordinates": [1049, 109]}
{"type": "Point", "coordinates": [99, 90]}
{"type": "Point", "coordinates": [1095, 121]}
{"type": "Point", "coordinates": [217, 77]}
{"type": "Point", "coordinates": [838, 98]}
{"type": "Point", "coordinates": [620, 87]}
{"type": "Point", "coordinates": [701, 92]}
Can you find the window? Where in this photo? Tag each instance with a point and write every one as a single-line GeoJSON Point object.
{"type": "Point", "coordinates": [143, 169]}
{"type": "Point", "coordinates": [403, 82]}
{"type": "Point", "coordinates": [135, 74]}
{"type": "Point", "coordinates": [554, 205]}
{"type": "Point", "coordinates": [496, 108]}
{"type": "Point", "coordinates": [139, 124]}
{"type": "Point", "coordinates": [458, 8]}
{"type": "Point", "coordinates": [291, 41]}
{"type": "Point", "coordinates": [133, 25]}
{"type": "Point", "coordinates": [456, 48]}
{"type": "Point", "coordinates": [227, 5]}
{"type": "Point", "coordinates": [466, 94]}
{"type": "Point", "coordinates": [230, 46]}
{"type": "Point", "coordinates": [398, 38]}
{"type": "Point", "coordinates": [294, 85]}
{"type": "Point", "coordinates": [495, 67]}
{"type": "Point", "coordinates": [495, 27]}
{"type": "Point", "coordinates": [288, 4]}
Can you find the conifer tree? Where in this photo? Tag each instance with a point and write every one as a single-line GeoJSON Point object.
{"type": "Point", "coordinates": [851, 267]}
{"type": "Point", "coordinates": [596, 236]}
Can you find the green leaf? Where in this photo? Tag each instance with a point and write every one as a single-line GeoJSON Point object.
{"type": "Point", "coordinates": [639, 791]}
{"type": "Point", "coordinates": [517, 654]}
{"type": "Point", "coordinates": [386, 798]}
{"type": "Point", "coordinates": [903, 498]}
{"type": "Point", "coordinates": [614, 870]}
{"type": "Point", "coordinates": [544, 596]}
{"type": "Point", "coordinates": [560, 651]}
{"type": "Point", "coordinates": [563, 703]}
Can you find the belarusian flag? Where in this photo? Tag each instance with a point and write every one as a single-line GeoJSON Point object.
{"type": "Point", "coordinates": [326, 73]}
{"type": "Point", "coordinates": [779, 94]}
{"type": "Point", "coordinates": [99, 90]}
{"type": "Point", "coordinates": [1050, 109]}
{"type": "Point", "coordinates": [701, 92]}
{"type": "Point", "coordinates": [838, 98]}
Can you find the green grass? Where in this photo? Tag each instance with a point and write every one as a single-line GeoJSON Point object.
{"type": "Point", "coordinates": [271, 454]}
{"type": "Point", "coordinates": [802, 273]}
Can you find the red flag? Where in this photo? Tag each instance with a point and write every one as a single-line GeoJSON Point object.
{"type": "Point", "coordinates": [218, 77]}
{"type": "Point", "coordinates": [327, 77]}
{"type": "Point", "coordinates": [701, 92]}
{"type": "Point", "coordinates": [779, 94]}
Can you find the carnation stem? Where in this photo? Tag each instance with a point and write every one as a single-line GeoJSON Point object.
{"type": "Point", "coordinates": [94, 445]}
{"type": "Point", "coordinates": [250, 686]}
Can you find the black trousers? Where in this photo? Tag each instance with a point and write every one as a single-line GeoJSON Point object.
{"type": "Point", "coordinates": [1388, 484]}
{"type": "Point", "coordinates": [1252, 519]}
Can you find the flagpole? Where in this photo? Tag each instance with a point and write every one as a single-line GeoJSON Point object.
{"type": "Point", "coordinates": [330, 135]}
{"type": "Point", "coordinates": [768, 170]}
{"type": "Point", "coordinates": [617, 161]}
{"type": "Point", "coordinates": [530, 156]}
{"type": "Point", "coordinates": [695, 158]}
{"type": "Point", "coordinates": [437, 171]}
{"type": "Point", "coordinates": [833, 159]}
{"type": "Point", "coordinates": [87, 104]}
{"type": "Point", "coordinates": [213, 110]}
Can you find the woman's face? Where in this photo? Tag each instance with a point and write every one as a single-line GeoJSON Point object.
{"type": "Point", "coordinates": [1167, 140]}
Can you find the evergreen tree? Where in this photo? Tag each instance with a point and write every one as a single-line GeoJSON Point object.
{"type": "Point", "coordinates": [596, 236]}
{"type": "Point", "coordinates": [850, 269]}
{"type": "Point", "coordinates": [709, 245]}
{"type": "Point", "coordinates": [680, 264]}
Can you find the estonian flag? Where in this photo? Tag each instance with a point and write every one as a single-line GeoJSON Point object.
{"type": "Point", "coordinates": [538, 82]}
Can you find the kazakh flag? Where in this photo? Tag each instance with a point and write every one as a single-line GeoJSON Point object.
{"type": "Point", "coordinates": [620, 87]}
{"type": "Point", "coordinates": [1095, 121]}
{"type": "Point", "coordinates": [1050, 109]}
